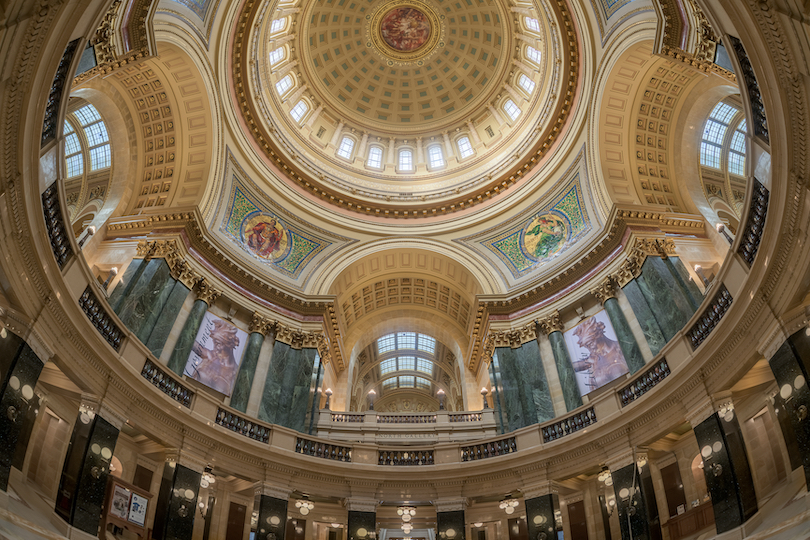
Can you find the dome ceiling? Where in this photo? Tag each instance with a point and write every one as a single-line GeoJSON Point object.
{"type": "Point", "coordinates": [413, 75]}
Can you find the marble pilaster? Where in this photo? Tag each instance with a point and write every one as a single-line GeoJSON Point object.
{"type": "Point", "coordinates": [165, 320]}
{"type": "Point", "coordinates": [247, 368]}
{"type": "Point", "coordinates": [669, 305]}
{"type": "Point", "coordinates": [627, 341]}
{"type": "Point", "coordinates": [287, 388]}
{"type": "Point", "coordinates": [524, 389]}
{"type": "Point", "coordinates": [262, 369]}
{"type": "Point", "coordinates": [125, 284]}
{"type": "Point", "coordinates": [552, 326]}
{"type": "Point", "coordinates": [688, 285]}
{"type": "Point", "coordinates": [140, 300]}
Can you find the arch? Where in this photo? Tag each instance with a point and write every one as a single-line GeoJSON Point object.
{"type": "Point", "coordinates": [277, 56]}
{"type": "Point", "coordinates": [278, 25]}
{"type": "Point", "coordinates": [284, 85]}
{"type": "Point", "coordinates": [533, 55]}
{"type": "Point", "coordinates": [511, 109]}
{"type": "Point", "coordinates": [525, 83]}
{"type": "Point", "coordinates": [299, 111]}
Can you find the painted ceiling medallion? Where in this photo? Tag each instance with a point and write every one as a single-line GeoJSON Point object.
{"type": "Point", "coordinates": [404, 31]}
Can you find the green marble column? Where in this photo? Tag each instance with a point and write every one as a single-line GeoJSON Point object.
{"type": "Point", "coordinates": [142, 300]}
{"type": "Point", "coordinates": [179, 357]}
{"type": "Point", "coordinates": [287, 388]}
{"type": "Point", "coordinates": [688, 285]}
{"type": "Point", "coordinates": [523, 386]}
{"type": "Point", "coordinates": [247, 369]}
{"type": "Point", "coordinates": [627, 342]}
{"type": "Point", "coordinates": [165, 320]}
{"type": "Point", "coordinates": [669, 304]}
{"type": "Point", "coordinates": [125, 284]}
{"type": "Point", "coordinates": [644, 315]}
{"type": "Point", "coordinates": [565, 371]}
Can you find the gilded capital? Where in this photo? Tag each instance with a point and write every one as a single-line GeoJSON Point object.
{"type": "Point", "coordinates": [550, 323]}
{"type": "Point", "coordinates": [604, 290]}
{"type": "Point", "coordinates": [514, 339]}
{"type": "Point", "coordinates": [630, 268]}
{"type": "Point", "coordinates": [257, 323]}
{"type": "Point", "coordinates": [206, 292]}
{"type": "Point", "coordinates": [489, 347]}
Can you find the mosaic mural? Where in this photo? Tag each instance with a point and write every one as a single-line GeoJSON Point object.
{"type": "Point", "coordinates": [548, 232]}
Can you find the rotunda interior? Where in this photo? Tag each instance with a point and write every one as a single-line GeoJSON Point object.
{"type": "Point", "coordinates": [404, 269]}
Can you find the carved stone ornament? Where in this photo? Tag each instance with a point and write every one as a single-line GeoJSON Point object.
{"type": "Point", "coordinates": [550, 323]}
{"type": "Point", "coordinates": [514, 339]}
{"type": "Point", "coordinates": [656, 247]}
{"type": "Point", "coordinates": [631, 267]}
{"type": "Point", "coordinates": [604, 290]}
{"type": "Point", "coordinates": [206, 292]}
{"type": "Point", "coordinates": [156, 248]}
{"type": "Point", "coordinates": [489, 347]}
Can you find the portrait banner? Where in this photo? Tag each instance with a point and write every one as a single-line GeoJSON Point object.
{"type": "Point", "coordinates": [216, 354]}
{"type": "Point", "coordinates": [595, 353]}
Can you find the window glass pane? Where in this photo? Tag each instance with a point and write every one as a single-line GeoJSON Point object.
{"type": "Point", "coordinates": [464, 147]}
{"type": "Point", "coordinates": [87, 115]}
{"type": "Point", "coordinates": [406, 340]}
{"type": "Point", "coordinates": [386, 343]}
{"type": "Point", "coordinates": [375, 157]}
{"type": "Point", "coordinates": [75, 165]}
{"type": "Point", "coordinates": [96, 134]}
{"type": "Point", "coordinates": [511, 109]}
{"type": "Point", "coordinates": [346, 147]}
{"type": "Point", "coordinates": [99, 157]}
{"type": "Point", "coordinates": [427, 343]}
{"type": "Point", "coordinates": [407, 363]}
{"type": "Point", "coordinates": [422, 383]}
{"type": "Point", "coordinates": [406, 381]}
{"type": "Point", "coordinates": [72, 145]}
{"type": "Point", "coordinates": [276, 56]}
{"type": "Point", "coordinates": [283, 85]}
{"type": "Point", "coordinates": [533, 54]}
{"type": "Point", "coordinates": [743, 127]}
{"type": "Point", "coordinates": [388, 366]}
{"type": "Point", "coordinates": [532, 24]}
{"type": "Point", "coordinates": [436, 157]}
{"type": "Point", "coordinates": [277, 25]}
{"type": "Point", "coordinates": [710, 155]}
{"type": "Point", "coordinates": [390, 383]}
{"type": "Point", "coordinates": [723, 113]}
{"type": "Point", "coordinates": [299, 110]}
{"type": "Point", "coordinates": [738, 142]}
{"type": "Point", "coordinates": [405, 160]}
{"type": "Point", "coordinates": [68, 128]}
{"type": "Point", "coordinates": [714, 132]}
{"type": "Point", "coordinates": [736, 163]}
{"type": "Point", "coordinates": [423, 365]}
{"type": "Point", "coordinates": [526, 83]}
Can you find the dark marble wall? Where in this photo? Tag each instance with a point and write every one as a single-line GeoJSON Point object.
{"type": "Point", "coordinates": [728, 475]}
{"type": "Point", "coordinates": [176, 503]}
{"type": "Point", "coordinates": [247, 370]}
{"type": "Point", "coordinates": [565, 371]}
{"type": "Point", "coordinates": [287, 390]}
{"type": "Point", "coordinates": [362, 525]}
{"type": "Point", "coordinates": [84, 474]}
{"type": "Point", "coordinates": [17, 399]}
{"type": "Point", "coordinates": [541, 513]}
{"type": "Point", "coordinates": [627, 341]}
{"type": "Point", "coordinates": [525, 395]}
{"type": "Point", "coordinates": [272, 516]}
{"type": "Point", "coordinates": [185, 341]}
{"type": "Point", "coordinates": [450, 525]}
{"type": "Point", "coordinates": [644, 315]}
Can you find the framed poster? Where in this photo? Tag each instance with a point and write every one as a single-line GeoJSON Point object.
{"type": "Point", "coordinates": [137, 509]}
{"type": "Point", "coordinates": [216, 353]}
{"type": "Point", "coordinates": [119, 503]}
{"type": "Point", "coordinates": [595, 353]}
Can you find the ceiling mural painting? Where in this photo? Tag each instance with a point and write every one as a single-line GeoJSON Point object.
{"type": "Point", "coordinates": [543, 233]}
{"type": "Point", "coordinates": [268, 234]}
{"type": "Point", "coordinates": [198, 7]}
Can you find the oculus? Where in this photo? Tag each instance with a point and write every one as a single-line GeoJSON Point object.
{"type": "Point", "coordinates": [405, 28]}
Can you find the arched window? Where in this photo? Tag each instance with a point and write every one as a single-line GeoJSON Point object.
{"type": "Point", "coordinates": [511, 109]}
{"type": "Point", "coordinates": [711, 147]}
{"type": "Point", "coordinates": [526, 83]}
{"type": "Point", "coordinates": [299, 111]}
{"type": "Point", "coordinates": [375, 154]}
{"type": "Point", "coordinates": [74, 159]}
{"type": "Point", "coordinates": [465, 149]}
{"type": "Point", "coordinates": [276, 56]}
{"type": "Point", "coordinates": [346, 147]}
{"type": "Point", "coordinates": [278, 25]}
{"type": "Point", "coordinates": [284, 84]}
{"type": "Point", "coordinates": [95, 132]}
{"type": "Point", "coordinates": [736, 153]}
{"type": "Point", "coordinates": [533, 55]}
{"type": "Point", "coordinates": [435, 156]}
{"type": "Point", "coordinates": [405, 160]}
{"type": "Point", "coordinates": [532, 24]}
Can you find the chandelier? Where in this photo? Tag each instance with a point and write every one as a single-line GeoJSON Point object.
{"type": "Point", "coordinates": [605, 477]}
{"type": "Point", "coordinates": [304, 506]}
{"type": "Point", "coordinates": [406, 513]}
{"type": "Point", "coordinates": [509, 505]}
{"type": "Point", "coordinates": [207, 478]}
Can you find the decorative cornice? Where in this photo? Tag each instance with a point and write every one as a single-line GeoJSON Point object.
{"type": "Point", "coordinates": [550, 323]}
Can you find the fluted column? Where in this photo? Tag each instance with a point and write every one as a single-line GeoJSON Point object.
{"type": "Point", "coordinates": [250, 358]}
{"type": "Point", "coordinates": [553, 327]}
{"type": "Point", "coordinates": [606, 294]}
{"type": "Point", "coordinates": [206, 295]}
{"type": "Point", "coordinates": [495, 114]}
{"type": "Point", "coordinates": [474, 133]}
{"type": "Point", "coordinates": [314, 116]}
{"type": "Point", "coordinates": [336, 135]}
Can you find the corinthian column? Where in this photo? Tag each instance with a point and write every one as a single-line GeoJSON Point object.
{"type": "Point", "coordinates": [606, 294]}
{"type": "Point", "coordinates": [553, 327]}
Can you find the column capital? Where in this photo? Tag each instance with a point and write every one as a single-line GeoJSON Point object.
{"type": "Point", "coordinates": [604, 291]}
{"type": "Point", "coordinates": [548, 487]}
{"type": "Point", "coordinates": [262, 325]}
{"type": "Point", "coordinates": [206, 292]}
{"type": "Point", "coordinates": [155, 248]}
{"type": "Point", "coordinates": [361, 504]}
{"type": "Point", "coordinates": [271, 490]}
{"type": "Point", "coordinates": [450, 505]}
{"type": "Point", "coordinates": [550, 323]}
{"type": "Point", "coordinates": [631, 267]}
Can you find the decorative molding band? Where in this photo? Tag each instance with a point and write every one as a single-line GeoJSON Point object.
{"type": "Point", "coordinates": [406, 419]}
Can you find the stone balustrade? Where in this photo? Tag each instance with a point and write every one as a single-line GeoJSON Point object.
{"type": "Point", "coordinates": [243, 426]}
{"type": "Point", "coordinates": [342, 417]}
{"type": "Point", "coordinates": [406, 418]}
{"type": "Point", "coordinates": [710, 317]}
{"type": "Point", "coordinates": [55, 224]}
{"type": "Point", "coordinates": [489, 449]}
{"type": "Point", "coordinates": [405, 457]}
{"type": "Point", "coordinates": [754, 223]}
{"type": "Point", "coordinates": [167, 383]}
{"type": "Point", "coordinates": [560, 428]}
{"type": "Point", "coordinates": [644, 382]}
{"type": "Point", "coordinates": [323, 450]}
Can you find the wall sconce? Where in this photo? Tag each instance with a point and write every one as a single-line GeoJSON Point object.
{"type": "Point", "coordinates": [722, 230]}
{"type": "Point", "coordinates": [484, 393]}
{"type": "Point", "coordinates": [208, 477]}
{"type": "Point", "coordinates": [90, 231]}
{"type": "Point", "coordinates": [509, 505]}
{"type": "Point", "coordinates": [440, 394]}
{"type": "Point", "coordinates": [304, 506]}
{"type": "Point", "coordinates": [605, 477]}
{"type": "Point", "coordinates": [328, 397]}
{"type": "Point", "coordinates": [371, 394]}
